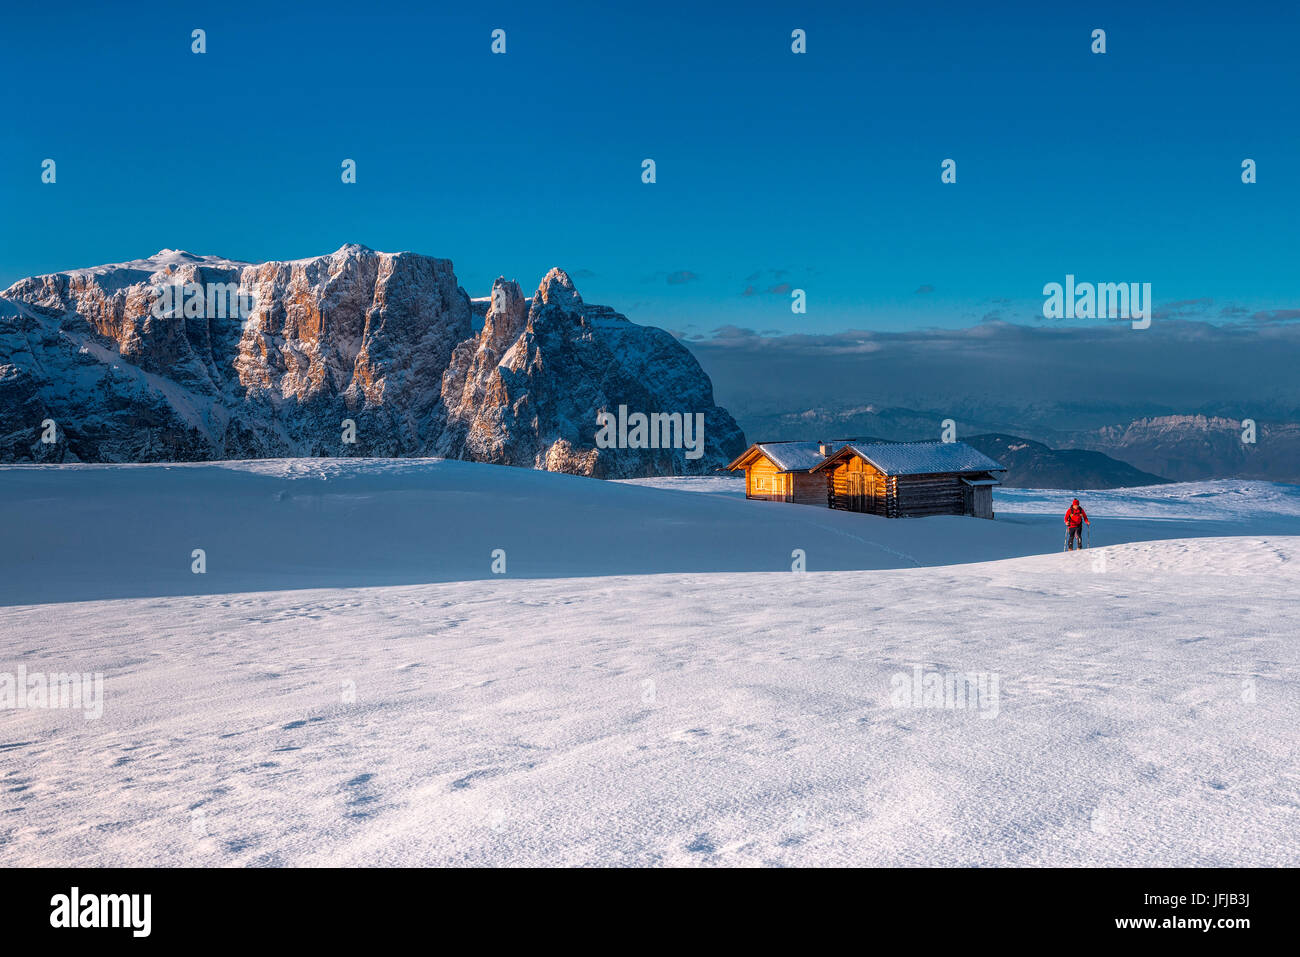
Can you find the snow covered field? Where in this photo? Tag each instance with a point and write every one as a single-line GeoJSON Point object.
{"type": "Point", "coordinates": [648, 683]}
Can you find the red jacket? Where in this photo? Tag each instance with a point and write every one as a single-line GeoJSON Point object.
{"type": "Point", "coordinates": [1075, 516]}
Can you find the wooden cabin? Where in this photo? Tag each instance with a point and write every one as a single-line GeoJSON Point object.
{"type": "Point", "coordinates": [910, 479]}
{"type": "Point", "coordinates": [782, 472]}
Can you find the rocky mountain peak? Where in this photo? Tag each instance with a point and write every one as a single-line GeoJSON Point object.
{"type": "Point", "coordinates": [531, 393]}
{"type": "Point", "coordinates": [356, 249]}
{"type": "Point", "coordinates": [506, 316]}
{"type": "Point", "coordinates": [557, 289]}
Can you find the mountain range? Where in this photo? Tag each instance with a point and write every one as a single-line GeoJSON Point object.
{"type": "Point", "coordinates": [1176, 399]}
{"type": "Point", "coordinates": [1033, 464]}
{"type": "Point", "coordinates": [365, 353]}
{"type": "Point", "coordinates": [356, 353]}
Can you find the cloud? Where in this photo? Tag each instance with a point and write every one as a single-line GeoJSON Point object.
{"type": "Point", "coordinates": [1104, 372]}
{"type": "Point", "coordinates": [780, 289]}
{"type": "Point", "coordinates": [923, 290]}
{"type": "Point", "coordinates": [681, 276]}
{"type": "Point", "coordinates": [1276, 315]}
{"type": "Point", "coordinates": [1183, 309]}
{"type": "Point", "coordinates": [1203, 308]}
{"type": "Point", "coordinates": [748, 340]}
{"type": "Point", "coordinates": [775, 277]}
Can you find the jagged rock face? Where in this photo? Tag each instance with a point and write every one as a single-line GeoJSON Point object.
{"type": "Point", "coordinates": [383, 340]}
{"type": "Point", "coordinates": [357, 334]}
{"type": "Point", "coordinates": [528, 389]}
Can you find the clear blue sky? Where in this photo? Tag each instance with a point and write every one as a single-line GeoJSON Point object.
{"type": "Point", "coordinates": [820, 170]}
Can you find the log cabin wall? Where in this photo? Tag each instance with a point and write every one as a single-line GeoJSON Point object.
{"type": "Point", "coordinates": [919, 495]}
{"type": "Point", "coordinates": [858, 486]}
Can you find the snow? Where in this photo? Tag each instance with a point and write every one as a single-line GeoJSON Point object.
{"type": "Point", "coordinates": [793, 456]}
{"type": "Point", "coordinates": [113, 278]}
{"type": "Point", "coordinates": [723, 483]}
{"type": "Point", "coordinates": [648, 684]}
{"type": "Point", "coordinates": [198, 412]}
{"type": "Point", "coordinates": [893, 458]}
{"type": "Point", "coordinates": [924, 458]}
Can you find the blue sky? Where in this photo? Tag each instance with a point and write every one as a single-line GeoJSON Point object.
{"type": "Point", "coordinates": [819, 171]}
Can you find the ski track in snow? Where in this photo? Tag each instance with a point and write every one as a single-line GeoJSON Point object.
{"type": "Point", "coordinates": [1146, 715]}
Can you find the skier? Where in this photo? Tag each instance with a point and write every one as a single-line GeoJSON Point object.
{"type": "Point", "coordinates": [1075, 519]}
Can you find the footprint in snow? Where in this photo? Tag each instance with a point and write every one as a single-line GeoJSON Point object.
{"type": "Point", "coordinates": [701, 845]}
{"type": "Point", "coordinates": [359, 795]}
{"type": "Point", "coordinates": [300, 724]}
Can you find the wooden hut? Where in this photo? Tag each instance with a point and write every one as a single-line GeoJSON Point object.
{"type": "Point", "coordinates": [911, 479]}
{"type": "Point", "coordinates": [782, 472]}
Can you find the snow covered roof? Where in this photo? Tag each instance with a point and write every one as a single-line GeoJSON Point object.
{"type": "Point", "coordinates": [892, 458]}
{"type": "Point", "coordinates": [786, 456]}
{"type": "Point", "coordinates": [923, 458]}
{"type": "Point", "coordinates": [792, 456]}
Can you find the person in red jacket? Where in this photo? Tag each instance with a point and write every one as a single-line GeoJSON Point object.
{"type": "Point", "coordinates": [1075, 519]}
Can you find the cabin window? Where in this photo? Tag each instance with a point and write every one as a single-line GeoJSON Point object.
{"type": "Point", "coordinates": [760, 483]}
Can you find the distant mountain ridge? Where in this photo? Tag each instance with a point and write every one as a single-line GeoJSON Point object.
{"type": "Point", "coordinates": [1035, 465]}
{"type": "Point", "coordinates": [1177, 448]}
{"type": "Point", "coordinates": [1190, 448]}
{"type": "Point", "coordinates": [1170, 399]}
{"type": "Point", "coordinates": [381, 344]}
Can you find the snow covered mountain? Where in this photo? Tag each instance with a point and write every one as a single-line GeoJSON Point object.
{"type": "Point", "coordinates": [1195, 447]}
{"type": "Point", "coordinates": [522, 392]}
{"type": "Point", "coordinates": [357, 353]}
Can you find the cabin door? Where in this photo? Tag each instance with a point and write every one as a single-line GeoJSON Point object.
{"type": "Point", "coordinates": [858, 492]}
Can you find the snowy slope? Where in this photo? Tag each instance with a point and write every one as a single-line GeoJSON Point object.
{"type": "Point", "coordinates": [682, 703]}
{"type": "Point", "coordinates": [94, 531]}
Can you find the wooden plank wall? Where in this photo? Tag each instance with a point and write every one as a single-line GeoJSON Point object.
{"type": "Point", "coordinates": [772, 480]}
{"type": "Point", "coordinates": [857, 486]}
{"type": "Point", "coordinates": [808, 489]}
{"type": "Point", "coordinates": [918, 495]}
{"type": "Point", "coordinates": [982, 501]}
{"type": "Point", "coordinates": [798, 487]}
